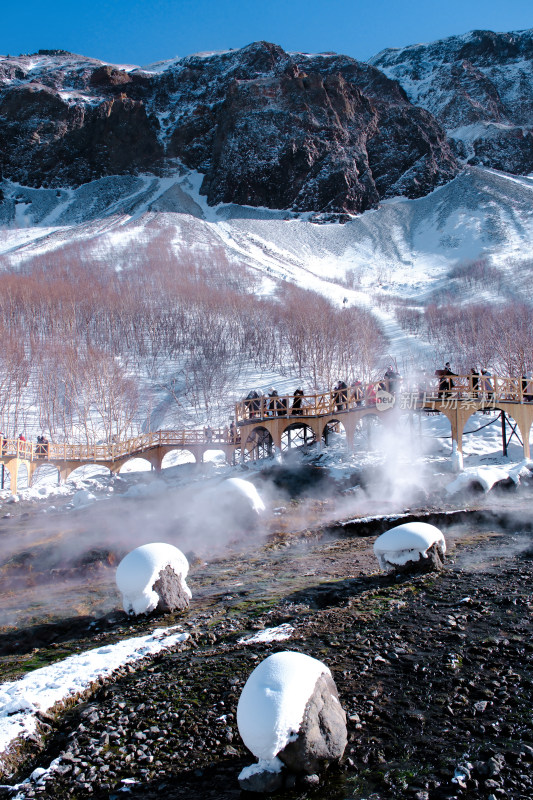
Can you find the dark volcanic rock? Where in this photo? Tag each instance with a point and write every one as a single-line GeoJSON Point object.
{"type": "Point", "coordinates": [262, 781]}
{"type": "Point", "coordinates": [322, 736]}
{"type": "Point", "coordinates": [433, 562]}
{"type": "Point", "coordinates": [321, 133]}
{"type": "Point", "coordinates": [50, 142]}
{"type": "Point", "coordinates": [169, 587]}
{"type": "Point", "coordinates": [480, 87]}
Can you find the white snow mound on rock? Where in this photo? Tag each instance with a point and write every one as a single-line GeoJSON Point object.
{"type": "Point", "coordinates": [239, 492]}
{"type": "Point", "coordinates": [139, 570]}
{"type": "Point", "coordinates": [272, 704]}
{"type": "Point", "coordinates": [407, 543]}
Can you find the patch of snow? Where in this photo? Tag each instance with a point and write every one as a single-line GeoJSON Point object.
{"type": "Point", "coordinates": [273, 701]}
{"type": "Point", "coordinates": [263, 765]}
{"type": "Point", "coordinates": [139, 570]}
{"type": "Point", "coordinates": [41, 689]}
{"type": "Point", "coordinates": [276, 634]}
{"type": "Point", "coordinates": [82, 498]}
{"type": "Point", "coordinates": [487, 475]}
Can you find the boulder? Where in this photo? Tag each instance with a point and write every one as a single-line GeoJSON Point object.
{"type": "Point", "coordinates": [322, 736]}
{"type": "Point", "coordinates": [172, 594]}
{"type": "Point", "coordinates": [431, 562]}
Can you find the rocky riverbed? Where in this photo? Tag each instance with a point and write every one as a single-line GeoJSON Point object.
{"type": "Point", "coordinates": [434, 673]}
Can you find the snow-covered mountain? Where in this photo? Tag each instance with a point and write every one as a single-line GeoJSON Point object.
{"type": "Point", "coordinates": [242, 153]}
{"type": "Point", "coordinates": [480, 88]}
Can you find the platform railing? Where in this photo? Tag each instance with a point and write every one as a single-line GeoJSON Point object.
{"type": "Point", "coordinates": [113, 451]}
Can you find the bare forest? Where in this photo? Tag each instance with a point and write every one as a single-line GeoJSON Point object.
{"type": "Point", "coordinates": [90, 339]}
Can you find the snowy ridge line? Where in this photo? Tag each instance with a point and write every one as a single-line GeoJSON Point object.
{"type": "Point", "coordinates": [48, 687]}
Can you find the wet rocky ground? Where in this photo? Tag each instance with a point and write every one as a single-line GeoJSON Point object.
{"type": "Point", "coordinates": [435, 673]}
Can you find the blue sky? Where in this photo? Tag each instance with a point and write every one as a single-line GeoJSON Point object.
{"type": "Point", "coordinates": [141, 31]}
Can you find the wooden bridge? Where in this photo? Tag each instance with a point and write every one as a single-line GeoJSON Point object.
{"type": "Point", "coordinates": [263, 424]}
{"type": "Point", "coordinates": [281, 422]}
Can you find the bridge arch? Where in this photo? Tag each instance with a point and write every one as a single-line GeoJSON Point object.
{"type": "Point", "coordinates": [87, 471]}
{"type": "Point", "coordinates": [175, 457]}
{"type": "Point", "coordinates": [297, 434]}
{"type": "Point", "coordinates": [45, 473]}
{"type": "Point", "coordinates": [258, 444]}
{"type": "Point", "coordinates": [370, 426]}
{"type": "Point", "coordinates": [214, 453]}
{"type": "Point", "coordinates": [333, 428]}
{"type": "Point", "coordinates": [136, 464]}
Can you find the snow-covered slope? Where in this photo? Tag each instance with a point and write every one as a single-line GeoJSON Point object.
{"type": "Point", "coordinates": [403, 247]}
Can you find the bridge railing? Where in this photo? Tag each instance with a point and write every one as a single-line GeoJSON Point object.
{"type": "Point", "coordinates": [113, 451]}
{"type": "Point", "coordinates": [310, 405]}
{"type": "Point", "coordinates": [472, 388]}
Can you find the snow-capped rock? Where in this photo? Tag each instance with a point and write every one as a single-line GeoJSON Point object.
{"type": "Point", "coordinates": [289, 712]}
{"type": "Point", "coordinates": [153, 575]}
{"type": "Point", "coordinates": [408, 543]}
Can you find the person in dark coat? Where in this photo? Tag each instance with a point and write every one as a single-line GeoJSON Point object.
{"type": "Point", "coordinates": [392, 379]}
{"type": "Point", "coordinates": [282, 406]}
{"type": "Point", "coordinates": [273, 403]}
{"type": "Point", "coordinates": [297, 402]}
{"type": "Point", "coordinates": [486, 384]}
{"type": "Point", "coordinates": [474, 381]}
{"type": "Point", "coordinates": [340, 395]}
{"type": "Point", "coordinates": [446, 383]}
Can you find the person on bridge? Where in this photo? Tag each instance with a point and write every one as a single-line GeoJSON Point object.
{"type": "Point", "coordinates": [252, 403]}
{"type": "Point", "coordinates": [340, 395]}
{"type": "Point", "coordinates": [486, 384]}
{"type": "Point", "coordinates": [474, 382]}
{"type": "Point", "coordinates": [357, 393]}
{"type": "Point", "coordinates": [273, 403]}
{"type": "Point", "coordinates": [392, 379]}
{"type": "Point", "coordinates": [297, 402]}
{"type": "Point", "coordinates": [283, 405]}
{"type": "Point", "coordinates": [370, 398]}
{"type": "Point", "coordinates": [21, 437]}
{"type": "Point", "coordinates": [208, 433]}
{"type": "Point", "coordinates": [446, 383]}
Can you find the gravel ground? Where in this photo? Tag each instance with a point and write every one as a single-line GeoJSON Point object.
{"type": "Point", "coordinates": [434, 672]}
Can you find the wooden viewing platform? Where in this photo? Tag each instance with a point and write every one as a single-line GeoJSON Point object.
{"type": "Point", "coordinates": [266, 423]}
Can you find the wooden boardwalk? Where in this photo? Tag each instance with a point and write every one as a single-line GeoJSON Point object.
{"type": "Point", "coordinates": [264, 424]}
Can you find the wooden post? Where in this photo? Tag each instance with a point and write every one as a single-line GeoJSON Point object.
{"type": "Point", "coordinates": [504, 434]}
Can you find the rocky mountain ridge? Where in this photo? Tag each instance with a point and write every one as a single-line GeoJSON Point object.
{"type": "Point", "coordinates": [310, 133]}
{"type": "Point", "coordinates": [479, 87]}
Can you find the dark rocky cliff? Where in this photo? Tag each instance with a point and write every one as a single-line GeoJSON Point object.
{"type": "Point", "coordinates": [322, 133]}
